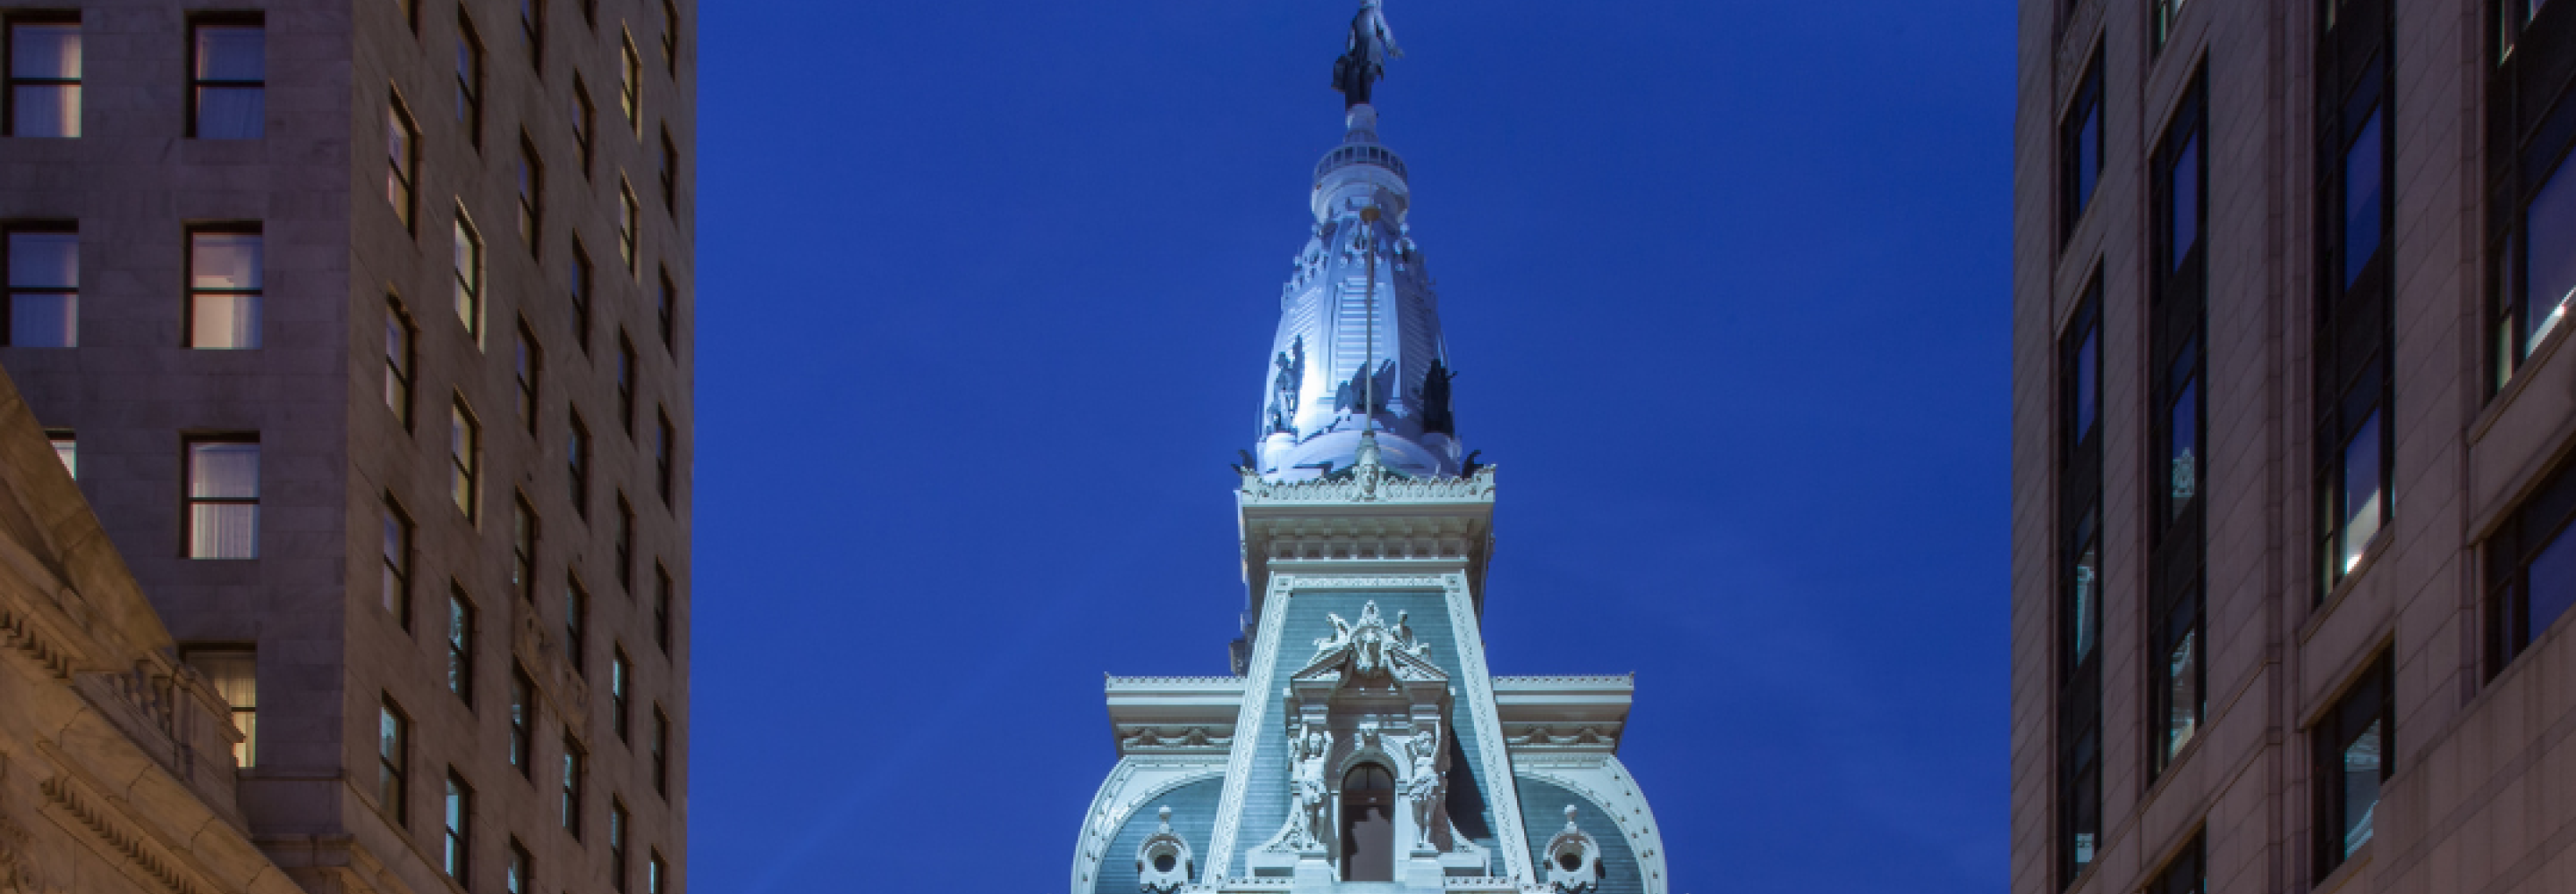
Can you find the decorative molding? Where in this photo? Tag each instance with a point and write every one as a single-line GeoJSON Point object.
{"type": "Point", "coordinates": [1572, 858]}
{"type": "Point", "coordinates": [1287, 583]}
{"type": "Point", "coordinates": [1256, 710]}
{"type": "Point", "coordinates": [1163, 864]}
{"type": "Point", "coordinates": [1116, 802]}
{"type": "Point", "coordinates": [22, 634]}
{"type": "Point", "coordinates": [1367, 488]}
{"type": "Point", "coordinates": [1492, 753]}
{"type": "Point", "coordinates": [1595, 777]}
{"type": "Point", "coordinates": [97, 813]}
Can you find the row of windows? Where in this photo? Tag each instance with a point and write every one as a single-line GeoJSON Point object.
{"type": "Point", "coordinates": [457, 814]}
{"type": "Point", "coordinates": [227, 86]}
{"type": "Point", "coordinates": [2530, 574]}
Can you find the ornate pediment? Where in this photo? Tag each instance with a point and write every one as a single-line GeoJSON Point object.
{"type": "Point", "coordinates": [1371, 651]}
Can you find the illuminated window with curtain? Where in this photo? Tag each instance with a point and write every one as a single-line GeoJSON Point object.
{"type": "Point", "coordinates": [468, 268]}
{"type": "Point", "coordinates": [44, 75]}
{"type": "Point", "coordinates": [2353, 475]}
{"type": "Point", "coordinates": [228, 80]}
{"type": "Point", "coordinates": [2352, 743]}
{"type": "Point", "coordinates": [465, 459]}
{"type": "Point", "coordinates": [223, 499]}
{"type": "Point", "coordinates": [234, 672]}
{"type": "Point", "coordinates": [2177, 632]}
{"type": "Point", "coordinates": [224, 276]}
{"type": "Point", "coordinates": [44, 287]}
{"type": "Point", "coordinates": [396, 582]}
{"type": "Point", "coordinates": [2531, 252]}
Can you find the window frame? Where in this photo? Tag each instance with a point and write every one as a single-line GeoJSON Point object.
{"type": "Point", "coordinates": [10, 22]}
{"type": "Point", "coordinates": [2178, 355]}
{"type": "Point", "coordinates": [465, 459]}
{"type": "Point", "coordinates": [2075, 191]}
{"type": "Point", "coordinates": [2540, 520]}
{"type": "Point", "coordinates": [471, 60]}
{"type": "Point", "coordinates": [462, 628]}
{"type": "Point", "coordinates": [395, 581]}
{"type": "Point", "coordinates": [257, 292]}
{"type": "Point", "coordinates": [189, 501]}
{"type": "Point", "coordinates": [402, 163]}
{"type": "Point", "coordinates": [2335, 732]}
{"type": "Point", "coordinates": [9, 233]}
{"type": "Point", "coordinates": [469, 274]}
{"type": "Point", "coordinates": [458, 836]}
{"type": "Point", "coordinates": [198, 21]}
{"type": "Point", "coordinates": [393, 761]}
{"type": "Point", "coordinates": [400, 375]}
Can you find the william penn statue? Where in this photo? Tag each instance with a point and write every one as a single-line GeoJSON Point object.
{"type": "Point", "coordinates": [1365, 61]}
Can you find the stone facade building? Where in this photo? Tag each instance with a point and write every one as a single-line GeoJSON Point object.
{"type": "Point", "coordinates": [1361, 743]}
{"type": "Point", "coordinates": [2293, 415]}
{"type": "Point", "coordinates": [367, 330]}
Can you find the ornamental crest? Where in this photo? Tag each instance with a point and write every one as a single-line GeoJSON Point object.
{"type": "Point", "coordinates": [1371, 650]}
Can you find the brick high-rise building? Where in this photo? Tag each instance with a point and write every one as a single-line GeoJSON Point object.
{"type": "Point", "coordinates": [367, 329]}
{"type": "Point", "coordinates": [2293, 417]}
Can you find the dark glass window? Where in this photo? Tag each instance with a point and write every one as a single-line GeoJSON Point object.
{"type": "Point", "coordinates": [521, 875]}
{"type": "Point", "coordinates": [44, 287]}
{"type": "Point", "coordinates": [671, 37]}
{"type": "Point", "coordinates": [228, 77]}
{"type": "Point", "coordinates": [625, 544]}
{"type": "Point", "coordinates": [625, 384]}
{"type": "Point", "coordinates": [2531, 569]}
{"type": "Point", "coordinates": [2352, 479]}
{"type": "Point", "coordinates": [2080, 586]}
{"type": "Point", "coordinates": [393, 761]}
{"type": "Point", "coordinates": [527, 362]}
{"type": "Point", "coordinates": [662, 607]}
{"type": "Point", "coordinates": [402, 161]}
{"type": "Point", "coordinates": [465, 460]}
{"type": "Point", "coordinates": [620, 693]}
{"type": "Point", "coordinates": [582, 286]}
{"type": "Point", "coordinates": [668, 172]}
{"type": "Point", "coordinates": [585, 122]}
{"type": "Point", "coordinates": [460, 645]}
{"type": "Point", "coordinates": [2080, 147]}
{"type": "Point", "coordinates": [2353, 743]}
{"type": "Point", "coordinates": [661, 753]}
{"type": "Point", "coordinates": [398, 360]}
{"type": "Point", "coordinates": [532, 195]}
{"type": "Point", "coordinates": [2161, 15]}
{"type": "Point", "coordinates": [577, 455]}
{"type": "Point", "coordinates": [576, 624]}
{"type": "Point", "coordinates": [616, 845]}
{"type": "Point", "coordinates": [575, 767]}
{"type": "Point", "coordinates": [662, 435]}
{"type": "Point", "coordinates": [469, 80]}
{"type": "Point", "coordinates": [2177, 637]}
{"type": "Point", "coordinates": [2532, 206]}
{"type": "Point", "coordinates": [2187, 873]}
{"type": "Point", "coordinates": [44, 75]}
{"type": "Point", "coordinates": [397, 564]}
{"type": "Point", "coordinates": [665, 302]}
{"type": "Point", "coordinates": [532, 32]}
{"type": "Point", "coordinates": [523, 720]}
{"type": "Point", "coordinates": [523, 547]}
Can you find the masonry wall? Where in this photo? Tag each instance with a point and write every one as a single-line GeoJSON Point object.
{"type": "Point", "coordinates": [2483, 793]}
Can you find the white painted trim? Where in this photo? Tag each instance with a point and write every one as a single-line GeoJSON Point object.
{"type": "Point", "coordinates": [1136, 782]}
{"type": "Point", "coordinates": [1603, 780]}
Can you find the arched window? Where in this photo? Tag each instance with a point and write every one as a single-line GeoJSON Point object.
{"type": "Point", "coordinates": [1368, 824]}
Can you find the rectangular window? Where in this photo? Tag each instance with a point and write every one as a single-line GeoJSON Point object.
{"type": "Point", "coordinates": [668, 171]}
{"type": "Point", "coordinates": [616, 844]}
{"type": "Point", "coordinates": [582, 284]}
{"type": "Point", "coordinates": [630, 83]}
{"type": "Point", "coordinates": [397, 564]}
{"type": "Point", "coordinates": [228, 76]}
{"type": "Point", "coordinates": [532, 32]}
{"type": "Point", "coordinates": [2162, 21]}
{"type": "Point", "coordinates": [223, 498]}
{"type": "Point", "coordinates": [460, 831]}
{"type": "Point", "coordinates": [469, 275]}
{"type": "Point", "coordinates": [2177, 637]}
{"type": "Point", "coordinates": [2178, 696]}
{"type": "Point", "coordinates": [523, 547]}
{"type": "Point", "coordinates": [532, 198]}
{"type": "Point", "coordinates": [2352, 477]}
{"type": "Point", "coordinates": [626, 225]}
{"type": "Point", "coordinates": [460, 645]}
{"type": "Point", "coordinates": [224, 287]}
{"type": "Point", "coordinates": [234, 673]}
{"type": "Point", "coordinates": [655, 874]}
{"type": "Point", "coordinates": [2080, 148]}
{"type": "Point", "coordinates": [625, 384]}
{"type": "Point", "coordinates": [2531, 569]}
{"type": "Point", "coordinates": [2079, 585]}
{"type": "Point", "coordinates": [2188, 873]}
{"type": "Point", "coordinates": [577, 455]}
{"type": "Point", "coordinates": [402, 162]}
{"type": "Point", "coordinates": [523, 720]}
{"type": "Point", "coordinates": [662, 435]}
{"type": "Point", "coordinates": [44, 75]}
{"type": "Point", "coordinates": [625, 544]}
{"type": "Point", "coordinates": [66, 449]}
{"type": "Point", "coordinates": [661, 752]}
{"type": "Point", "coordinates": [662, 607]}
{"type": "Point", "coordinates": [2352, 745]}
{"type": "Point", "coordinates": [44, 287]}
{"type": "Point", "coordinates": [671, 38]}
{"type": "Point", "coordinates": [585, 122]}
{"type": "Point", "coordinates": [590, 13]}
{"type": "Point", "coordinates": [521, 876]}
{"type": "Point", "coordinates": [527, 362]}
{"type": "Point", "coordinates": [393, 761]}
{"type": "Point", "coordinates": [398, 360]}
{"type": "Point", "coordinates": [576, 624]}
{"type": "Point", "coordinates": [465, 459]}
{"type": "Point", "coordinates": [665, 300]}
{"type": "Point", "coordinates": [620, 702]}
{"type": "Point", "coordinates": [2531, 253]}
{"type": "Point", "coordinates": [469, 80]}
{"type": "Point", "coordinates": [574, 759]}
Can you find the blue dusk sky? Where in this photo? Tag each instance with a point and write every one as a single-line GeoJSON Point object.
{"type": "Point", "coordinates": [985, 293]}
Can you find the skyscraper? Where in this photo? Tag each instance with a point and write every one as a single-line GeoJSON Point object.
{"type": "Point", "coordinates": [1360, 742]}
{"type": "Point", "coordinates": [366, 328]}
{"type": "Point", "coordinates": [2291, 444]}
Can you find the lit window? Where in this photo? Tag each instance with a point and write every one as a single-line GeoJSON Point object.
{"type": "Point", "coordinates": [523, 547]}
{"type": "Point", "coordinates": [229, 77]}
{"type": "Point", "coordinates": [619, 698]}
{"type": "Point", "coordinates": [223, 499]}
{"type": "Point", "coordinates": [44, 76]}
{"type": "Point", "coordinates": [523, 720]}
{"type": "Point", "coordinates": [2351, 474]}
{"type": "Point", "coordinates": [460, 646]}
{"type": "Point", "coordinates": [527, 361]}
{"type": "Point", "coordinates": [630, 83]}
{"type": "Point", "coordinates": [398, 360]}
{"type": "Point", "coordinates": [2351, 764]}
{"type": "Point", "coordinates": [532, 181]}
{"type": "Point", "coordinates": [223, 288]}
{"type": "Point", "coordinates": [2531, 569]}
{"type": "Point", "coordinates": [234, 673]}
{"type": "Point", "coordinates": [465, 457]}
{"type": "Point", "coordinates": [573, 760]}
{"type": "Point", "coordinates": [469, 275]}
{"type": "Point", "coordinates": [469, 80]}
{"type": "Point", "coordinates": [397, 564]}
{"type": "Point", "coordinates": [393, 761]}
{"type": "Point", "coordinates": [44, 288]}
{"type": "Point", "coordinates": [460, 832]}
{"type": "Point", "coordinates": [654, 875]}
{"type": "Point", "coordinates": [66, 449]}
{"type": "Point", "coordinates": [402, 161]}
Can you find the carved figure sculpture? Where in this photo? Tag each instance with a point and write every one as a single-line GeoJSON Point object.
{"type": "Point", "coordinates": [1424, 785]}
{"type": "Point", "coordinates": [1364, 63]}
{"type": "Point", "coordinates": [1306, 787]}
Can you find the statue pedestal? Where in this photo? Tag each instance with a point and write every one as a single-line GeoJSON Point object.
{"type": "Point", "coordinates": [1315, 874]}
{"type": "Point", "coordinates": [1422, 872]}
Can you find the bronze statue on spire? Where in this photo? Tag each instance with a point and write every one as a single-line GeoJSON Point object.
{"type": "Point", "coordinates": [1364, 63]}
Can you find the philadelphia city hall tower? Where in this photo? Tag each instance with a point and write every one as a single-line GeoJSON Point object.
{"type": "Point", "coordinates": [1361, 744]}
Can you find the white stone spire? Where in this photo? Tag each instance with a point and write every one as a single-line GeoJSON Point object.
{"type": "Point", "coordinates": [1359, 346]}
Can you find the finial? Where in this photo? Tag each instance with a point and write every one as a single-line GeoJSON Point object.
{"type": "Point", "coordinates": [1166, 813]}
{"type": "Point", "coordinates": [1569, 816]}
{"type": "Point", "coordinates": [1363, 62]}
{"type": "Point", "coordinates": [1368, 451]}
